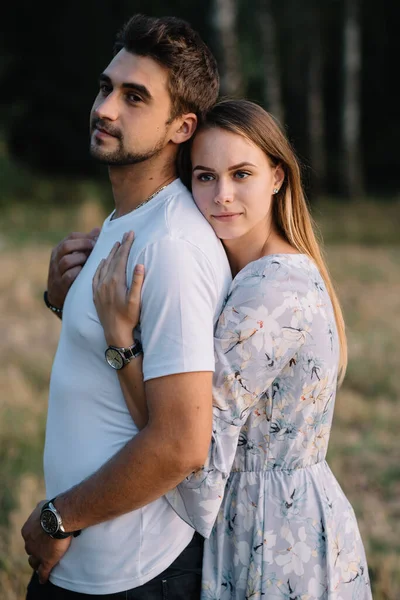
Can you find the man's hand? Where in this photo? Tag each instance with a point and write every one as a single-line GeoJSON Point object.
{"type": "Point", "coordinates": [44, 552]}
{"type": "Point", "coordinates": [66, 262]}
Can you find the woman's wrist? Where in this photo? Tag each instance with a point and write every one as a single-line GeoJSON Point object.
{"type": "Point", "coordinates": [120, 338]}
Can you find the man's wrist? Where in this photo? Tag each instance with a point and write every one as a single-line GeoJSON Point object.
{"type": "Point", "coordinates": [52, 522]}
{"type": "Point", "coordinates": [55, 309]}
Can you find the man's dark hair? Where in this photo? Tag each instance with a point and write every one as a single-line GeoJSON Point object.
{"type": "Point", "coordinates": [193, 71]}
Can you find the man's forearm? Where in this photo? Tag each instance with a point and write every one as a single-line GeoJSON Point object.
{"type": "Point", "coordinates": [144, 470]}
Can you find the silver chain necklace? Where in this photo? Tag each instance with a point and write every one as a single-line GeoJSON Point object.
{"type": "Point", "coordinates": [158, 190]}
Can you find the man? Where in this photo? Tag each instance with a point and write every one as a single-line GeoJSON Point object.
{"type": "Point", "coordinates": [108, 531]}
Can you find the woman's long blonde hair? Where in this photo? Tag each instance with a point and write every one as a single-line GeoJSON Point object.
{"type": "Point", "coordinates": [290, 210]}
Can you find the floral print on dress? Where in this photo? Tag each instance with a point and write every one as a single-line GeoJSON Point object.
{"type": "Point", "coordinates": [276, 522]}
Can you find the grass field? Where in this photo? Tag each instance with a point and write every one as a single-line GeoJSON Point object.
{"type": "Point", "coordinates": [363, 253]}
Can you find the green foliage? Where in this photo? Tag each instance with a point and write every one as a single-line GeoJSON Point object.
{"type": "Point", "coordinates": [18, 455]}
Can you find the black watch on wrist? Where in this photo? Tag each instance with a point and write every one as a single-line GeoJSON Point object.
{"type": "Point", "coordinates": [119, 357]}
{"type": "Point", "coordinates": [51, 522]}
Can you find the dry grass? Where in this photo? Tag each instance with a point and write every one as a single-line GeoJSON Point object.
{"type": "Point", "coordinates": [364, 452]}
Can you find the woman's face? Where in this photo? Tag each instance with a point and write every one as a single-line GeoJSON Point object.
{"type": "Point", "coordinates": [232, 182]}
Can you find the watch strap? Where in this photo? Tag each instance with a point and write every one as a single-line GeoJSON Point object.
{"type": "Point", "coordinates": [127, 354]}
{"type": "Point", "coordinates": [132, 352]}
{"type": "Point", "coordinates": [54, 309]}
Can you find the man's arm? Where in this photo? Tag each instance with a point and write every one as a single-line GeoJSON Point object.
{"type": "Point", "coordinates": [66, 262]}
{"type": "Point", "coordinates": [174, 443]}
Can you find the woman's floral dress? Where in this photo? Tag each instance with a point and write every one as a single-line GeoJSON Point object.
{"type": "Point", "coordinates": [278, 525]}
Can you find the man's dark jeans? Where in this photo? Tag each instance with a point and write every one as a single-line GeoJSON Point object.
{"type": "Point", "coordinates": [181, 581]}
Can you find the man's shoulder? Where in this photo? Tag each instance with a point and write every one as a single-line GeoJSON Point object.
{"type": "Point", "coordinates": [185, 221]}
{"type": "Point", "coordinates": [174, 226]}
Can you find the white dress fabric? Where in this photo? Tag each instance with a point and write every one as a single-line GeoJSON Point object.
{"type": "Point", "coordinates": [277, 523]}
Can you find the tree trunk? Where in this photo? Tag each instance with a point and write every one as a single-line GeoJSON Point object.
{"type": "Point", "coordinates": [225, 12]}
{"type": "Point", "coordinates": [270, 57]}
{"type": "Point", "coordinates": [316, 108]}
{"type": "Point", "coordinates": [353, 184]}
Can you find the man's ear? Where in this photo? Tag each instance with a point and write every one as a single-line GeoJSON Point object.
{"type": "Point", "coordinates": [185, 126]}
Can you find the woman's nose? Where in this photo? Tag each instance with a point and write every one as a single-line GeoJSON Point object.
{"type": "Point", "coordinates": [224, 194]}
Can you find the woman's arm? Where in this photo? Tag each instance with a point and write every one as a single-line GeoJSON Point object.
{"type": "Point", "coordinates": [132, 386]}
{"type": "Point", "coordinates": [260, 332]}
{"type": "Point", "coordinates": [119, 310]}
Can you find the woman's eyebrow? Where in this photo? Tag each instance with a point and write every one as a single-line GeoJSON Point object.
{"type": "Point", "coordinates": [238, 166]}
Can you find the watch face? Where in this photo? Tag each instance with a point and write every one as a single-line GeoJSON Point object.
{"type": "Point", "coordinates": [49, 522]}
{"type": "Point", "coordinates": [114, 358]}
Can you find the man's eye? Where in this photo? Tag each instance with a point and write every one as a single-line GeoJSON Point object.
{"type": "Point", "coordinates": [242, 174]}
{"type": "Point", "coordinates": [205, 177]}
{"type": "Point", "coordinates": [134, 98]}
{"type": "Point", "coordinates": [105, 89]}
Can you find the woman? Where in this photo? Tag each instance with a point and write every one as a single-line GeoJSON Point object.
{"type": "Point", "coordinates": [276, 522]}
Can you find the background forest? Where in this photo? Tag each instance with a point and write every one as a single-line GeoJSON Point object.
{"type": "Point", "coordinates": [327, 69]}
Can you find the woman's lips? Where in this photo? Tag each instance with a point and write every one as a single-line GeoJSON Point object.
{"type": "Point", "coordinates": [227, 217]}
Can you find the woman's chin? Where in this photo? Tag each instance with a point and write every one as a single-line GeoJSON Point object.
{"type": "Point", "coordinates": [225, 237]}
{"type": "Point", "coordinates": [223, 232]}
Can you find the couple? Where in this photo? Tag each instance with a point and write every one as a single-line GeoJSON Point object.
{"type": "Point", "coordinates": [184, 453]}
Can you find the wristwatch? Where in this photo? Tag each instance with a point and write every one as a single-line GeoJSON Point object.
{"type": "Point", "coordinates": [51, 522]}
{"type": "Point", "coordinates": [119, 357]}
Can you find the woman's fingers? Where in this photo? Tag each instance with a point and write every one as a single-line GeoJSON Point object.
{"type": "Point", "coordinates": [136, 285]}
{"type": "Point", "coordinates": [121, 258]}
{"type": "Point", "coordinates": [96, 276]}
{"type": "Point", "coordinates": [133, 299]}
{"type": "Point", "coordinates": [103, 267]}
{"type": "Point", "coordinates": [109, 259]}
{"type": "Point", "coordinates": [111, 271]}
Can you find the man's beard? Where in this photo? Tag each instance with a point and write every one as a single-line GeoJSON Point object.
{"type": "Point", "coordinates": [120, 157]}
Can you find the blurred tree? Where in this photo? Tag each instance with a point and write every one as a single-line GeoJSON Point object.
{"type": "Point", "coordinates": [49, 75]}
{"type": "Point", "coordinates": [352, 170]}
{"type": "Point", "coordinates": [270, 60]}
{"type": "Point", "coordinates": [316, 103]}
{"type": "Point", "coordinates": [298, 59]}
{"type": "Point", "coordinates": [224, 20]}
{"type": "Point", "coordinates": [294, 47]}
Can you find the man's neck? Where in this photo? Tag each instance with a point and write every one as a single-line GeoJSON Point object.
{"type": "Point", "coordinates": [133, 184]}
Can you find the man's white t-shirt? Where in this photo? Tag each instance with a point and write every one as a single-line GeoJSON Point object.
{"type": "Point", "coordinates": [187, 277]}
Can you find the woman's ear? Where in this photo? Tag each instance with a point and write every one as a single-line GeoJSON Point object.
{"type": "Point", "coordinates": [279, 177]}
{"type": "Point", "coordinates": [186, 126]}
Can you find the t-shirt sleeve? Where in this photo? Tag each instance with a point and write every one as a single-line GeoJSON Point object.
{"type": "Point", "coordinates": [179, 300]}
{"type": "Point", "coordinates": [260, 330]}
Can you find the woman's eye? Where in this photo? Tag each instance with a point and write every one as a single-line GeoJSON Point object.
{"type": "Point", "coordinates": [205, 177]}
{"type": "Point", "coordinates": [242, 174]}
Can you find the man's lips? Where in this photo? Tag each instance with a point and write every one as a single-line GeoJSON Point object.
{"type": "Point", "coordinates": [99, 131]}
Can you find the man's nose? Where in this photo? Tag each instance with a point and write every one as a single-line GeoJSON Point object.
{"type": "Point", "coordinates": [107, 108]}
